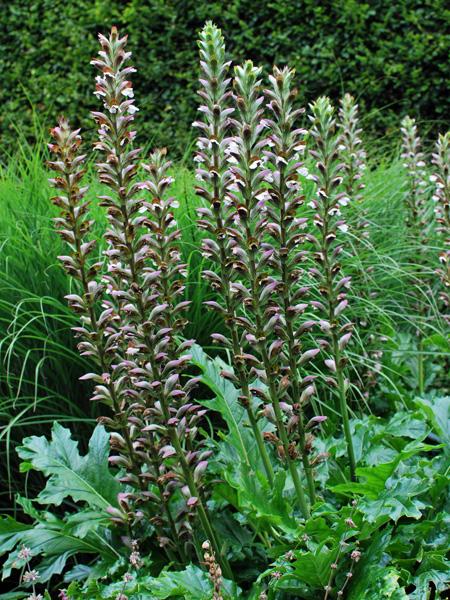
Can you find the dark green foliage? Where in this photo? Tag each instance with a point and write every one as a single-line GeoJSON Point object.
{"type": "Point", "coordinates": [391, 56]}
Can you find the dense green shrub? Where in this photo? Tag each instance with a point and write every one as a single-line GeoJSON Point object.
{"type": "Point", "coordinates": [392, 56]}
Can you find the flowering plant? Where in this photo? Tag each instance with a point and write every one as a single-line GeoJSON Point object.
{"type": "Point", "coordinates": [253, 473]}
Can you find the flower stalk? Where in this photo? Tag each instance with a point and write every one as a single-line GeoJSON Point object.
{"type": "Point", "coordinates": [414, 163]}
{"type": "Point", "coordinates": [147, 279]}
{"type": "Point", "coordinates": [127, 281]}
{"type": "Point", "coordinates": [179, 418]}
{"type": "Point", "coordinates": [97, 332]}
{"type": "Point", "coordinates": [441, 198]}
{"type": "Point", "coordinates": [416, 219]}
{"type": "Point", "coordinates": [353, 158]}
{"type": "Point", "coordinates": [255, 287]}
{"type": "Point", "coordinates": [331, 283]}
{"type": "Point", "coordinates": [215, 181]}
{"type": "Point", "coordinates": [285, 146]}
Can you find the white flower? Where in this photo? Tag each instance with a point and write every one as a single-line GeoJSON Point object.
{"type": "Point", "coordinates": [30, 576]}
{"type": "Point", "coordinates": [24, 553]}
{"type": "Point", "coordinates": [421, 163]}
{"type": "Point", "coordinates": [343, 227]}
{"type": "Point", "coordinates": [263, 195]}
{"type": "Point", "coordinates": [128, 92]}
{"type": "Point", "coordinates": [433, 178]}
{"type": "Point", "coordinates": [268, 178]}
{"type": "Point", "coordinates": [280, 159]}
{"type": "Point", "coordinates": [232, 148]}
{"type": "Point", "coordinates": [334, 211]}
{"type": "Point", "coordinates": [303, 171]}
{"type": "Point", "coordinates": [132, 109]}
{"type": "Point", "coordinates": [293, 185]}
{"type": "Point", "coordinates": [255, 164]}
{"type": "Point", "coordinates": [232, 160]}
{"type": "Point", "coordinates": [344, 201]}
{"type": "Point", "coordinates": [203, 144]}
{"type": "Point", "coordinates": [312, 204]}
{"type": "Point", "coordinates": [198, 158]}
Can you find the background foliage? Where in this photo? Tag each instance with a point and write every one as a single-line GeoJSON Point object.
{"type": "Point", "coordinates": [391, 56]}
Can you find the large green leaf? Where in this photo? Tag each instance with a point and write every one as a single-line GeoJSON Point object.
{"type": "Point", "coordinates": [392, 490]}
{"type": "Point", "coordinates": [437, 412]}
{"type": "Point", "coordinates": [54, 541]}
{"type": "Point", "coordinates": [11, 532]}
{"type": "Point", "coordinates": [83, 478]}
{"type": "Point", "coordinates": [266, 503]}
{"type": "Point", "coordinates": [434, 568]}
{"type": "Point", "coordinates": [380, 583]}
{"type": "Point", "coordinates": [241, 466]}
{"type": "Point", "coordinates": [190, 584]}
{"type": "Point", "coordinates": [376, 441]}
{"type": "Point", "coordinates": [226, 402]}
{"type": "Point", "coordinates": [311, 568]}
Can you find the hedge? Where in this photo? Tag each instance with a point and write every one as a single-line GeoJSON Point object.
{"type": "Point", "coordinates": [392, 55]}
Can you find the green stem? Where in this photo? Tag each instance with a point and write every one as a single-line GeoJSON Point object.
{"type": "Point", "coordinates": [344, 410]}
{"type": "Point", "coordinates": [293, 367]}
{"type": "Point", "coordinates": [201, 508]}
{"type": "Point", "coordinates": [285, 442]}
{"type": "Point", "coordinates": [420, 367]}
{"type": "Point", "coordinates": [226, 280]}
{"type": "Point", "coordinates": [332, 303]}
{"type": "Point", "coordinates": [251, 415]}
{"type": "Point", "coordinates": [272, 385]}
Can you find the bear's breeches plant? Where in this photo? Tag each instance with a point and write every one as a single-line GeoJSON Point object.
{"type": "Point", "coordinates": [267, 446]}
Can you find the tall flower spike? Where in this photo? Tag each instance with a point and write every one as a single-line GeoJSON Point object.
{"type": "Point", "coordinates": [286, 146]}
{"type": "Point", "coordinates": [126, 252]}
{"type": "Point", "coordinates": [215, 181]}
{"type": "Point", "coordinates": [414, 163]}
{"type": "Point", "coordinates": [118, 171]}
{"type": "Point", "coordinates": [169, 415]}
{"type": "Point", "coordinates": [332, 284]}
{"type": "Point", "coordinates": [353, 157]}
{"type": "Point", "coordinates": [97, 332]}
{"type": "Point", "coordinates": [419, 222]}
{"type": "Point", "coordinates": [254, 286]}
{"type": "Point", "coordinates": [145, 277]}
{"type": "Point", "coordinates": [441, 197]}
